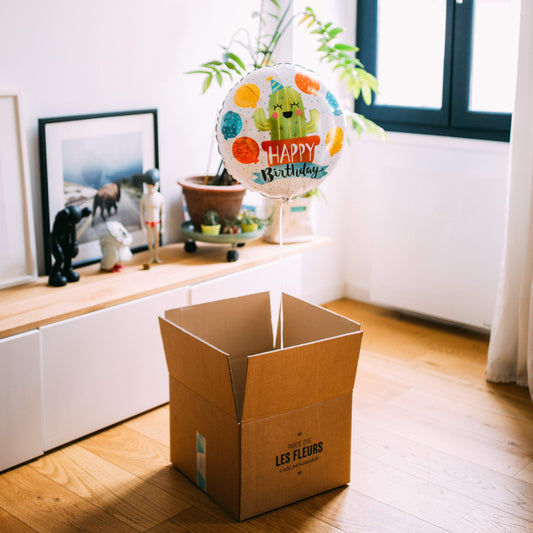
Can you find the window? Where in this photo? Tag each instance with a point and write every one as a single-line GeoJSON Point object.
{"type": "Point", "coordinates": [445, 67]}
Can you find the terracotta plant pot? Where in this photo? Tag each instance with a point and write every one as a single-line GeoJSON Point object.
{"type": "Point", "coordinates": [226, 200]}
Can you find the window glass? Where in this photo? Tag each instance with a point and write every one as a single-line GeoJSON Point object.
{"type": "Point", "coordinates": [410, 52]}
{"type": "Point", "coordinates": [494, 55]}
{"type": "Point", "coordinates": [445, 67]}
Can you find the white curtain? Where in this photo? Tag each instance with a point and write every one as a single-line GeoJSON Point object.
{"type": "Point", "coordinates": [510, 357]}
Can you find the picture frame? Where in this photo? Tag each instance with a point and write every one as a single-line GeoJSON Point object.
{"type": "Point", "coordinates": [18, 263]}
{"type": "Point", "coordinates": [81, 154]}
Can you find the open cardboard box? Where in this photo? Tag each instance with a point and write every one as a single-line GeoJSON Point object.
{"type": "Point", "coordinates": [254, 425]}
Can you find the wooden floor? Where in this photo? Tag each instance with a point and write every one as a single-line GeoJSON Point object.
{"type": "Point", "coordinates": [435, 448]}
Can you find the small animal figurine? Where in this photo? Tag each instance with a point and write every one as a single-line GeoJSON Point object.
{"type": "Point", "coordinates": [114, 242]}
{"type": "Point", "coordinates": [152, 213]}
{"type": "Point", "coordinates": [65, 245]}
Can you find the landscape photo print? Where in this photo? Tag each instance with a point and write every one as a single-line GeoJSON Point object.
{"type": "Point", "coordinates": [97, 161]}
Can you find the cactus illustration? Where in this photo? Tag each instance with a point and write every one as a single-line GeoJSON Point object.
{"type": "Point", "coordinates": [286, 115]}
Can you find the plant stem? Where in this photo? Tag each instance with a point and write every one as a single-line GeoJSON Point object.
{"type": "Point", "coordinates": [247, 47]}
{"type": "Point", "coordinates": [276, 36]}
{"type": "Point", "coordinates": [255, 57]}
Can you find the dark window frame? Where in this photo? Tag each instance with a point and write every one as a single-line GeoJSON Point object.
{"type": "Point", "coordinates": [454, 118]}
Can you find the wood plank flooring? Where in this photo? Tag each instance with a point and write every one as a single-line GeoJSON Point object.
{"type": "Point", "coordinates": [435, 448]}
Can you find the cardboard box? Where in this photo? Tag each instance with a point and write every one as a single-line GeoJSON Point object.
{"type": "Point", "coordinates": [253, 425]}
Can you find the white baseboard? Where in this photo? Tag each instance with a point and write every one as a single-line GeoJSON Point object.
{"type": "Point", "coordinates": [357, 292]}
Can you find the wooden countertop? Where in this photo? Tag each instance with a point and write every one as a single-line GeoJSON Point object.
{"type": "Point", "coordinates": [36, 304]}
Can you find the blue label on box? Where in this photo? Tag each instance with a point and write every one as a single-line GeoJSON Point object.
{"type": "Point", "coordinates": [200, 461]}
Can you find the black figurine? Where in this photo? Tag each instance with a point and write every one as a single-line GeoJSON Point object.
{"type": "Point", "coordinates": [65, 245]}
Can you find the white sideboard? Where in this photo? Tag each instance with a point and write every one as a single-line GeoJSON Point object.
{"type": "Point", "coordinates": [74, 360]}
{"type": "Point", "coordinates": [20, 399]}
{"type": "Point", "coordinates": [104, 367]}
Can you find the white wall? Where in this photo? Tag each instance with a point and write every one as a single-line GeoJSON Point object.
{"type": "Point", "coordinates": [405, 218]}
{"type": "Point", "coordinates": [92, 56]}
{"type": "Point", "coordinates": [417, 222]}
{"type": "Point", "coordinates": [325, 268]}
{"type": "Point", "coordinates": [431, 215]}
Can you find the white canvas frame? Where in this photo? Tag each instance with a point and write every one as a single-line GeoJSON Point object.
{"type": "Point", "coordinates": [17, 240]}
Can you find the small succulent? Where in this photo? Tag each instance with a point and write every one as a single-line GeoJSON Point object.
{"type": "Point", "coordinates": [211, 218]}
{"type": "Point", "coordinates": [248, 218]}
{"type": "Point", "coordinates": [231, 227]}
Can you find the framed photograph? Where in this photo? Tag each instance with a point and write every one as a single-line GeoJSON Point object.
{"type": "Point", "coordinates": [96, 161]}
{"type": "Point", "coordinates": [17, 240]}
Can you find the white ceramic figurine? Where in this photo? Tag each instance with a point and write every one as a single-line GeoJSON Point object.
{"type": "Point", "coordinates": [115, 241]}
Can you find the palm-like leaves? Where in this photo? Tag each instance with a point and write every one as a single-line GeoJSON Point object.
{"type": "Point", "coordinates": [341, 56]}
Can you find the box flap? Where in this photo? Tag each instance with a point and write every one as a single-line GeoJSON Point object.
{"type": "Point", "coordinates": [199, 366]}
{"type": "Point", "coordinates": [237, 326]}
{"type": "Point", "coordinates": [304, 322]}
{"type": "Point", "coordinates": [318, 362]}
{"type": "Point", "coordinates": [212, 341]}
{"type": "Point", "coordinates": [300, 376]}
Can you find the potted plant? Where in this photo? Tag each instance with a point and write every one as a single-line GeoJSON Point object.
{"type": "Point", "coordinates": [210, 224]}
{"type": "Point", "coordinates": [249, 222]}
{"type": "Point", "coordinates": [208, 193]}
{"type": "Point", "coordinates": [260, 52]}
{"type": "Point", "coordinates": [231, 227]}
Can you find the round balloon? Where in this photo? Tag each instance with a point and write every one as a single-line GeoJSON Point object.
{"type": "Point", "coordinates": [280, 131]}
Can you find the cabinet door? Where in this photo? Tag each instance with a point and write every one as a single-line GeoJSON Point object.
{"type": "Point", "coordinates": [276, 277]}
{"type": "Point", "coordinates": [20, 399]}
{"type": "Point", "coordinates": [104, 367]}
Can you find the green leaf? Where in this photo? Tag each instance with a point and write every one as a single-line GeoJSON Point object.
{"type": "Point", "coordinates": [276, 3]}
{"type": "Point", "coordinates": [367, 94]}
{"type": "Point", "coordinates": [228, 73]}
{"type": "Point", "coordinates": [374, 129]}
{"type": "Point", "coordinates": [345, 47]}
{"type": "Point", "coordinates": [351, 59]}
{"type": "Point", "coordinates": [207, 83]}
{"type": "Point", "coordinates": [211, 64]}
{"type": "Point", "coordinates": [231, 66]}
{"type": "Point", "coordinates": [304, 18]}
{"type": "Point", "coordinates": [219, 78]}
{"type": "Point", "coordinates": [334, 32]}
{"type": "Point", "coordinates": [363, 124]}
{"type": "Point", "coordinates": [237, 60]}
{"type": "Point", "coordinates": [198, 72]}
{"type": "Point", "coordinates": [368, 78]}
{"type": "Point", "coordinates": [356, 89]}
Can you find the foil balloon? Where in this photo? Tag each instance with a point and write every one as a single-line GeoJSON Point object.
{"type": "Point", "coordinates": [280, 131]}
